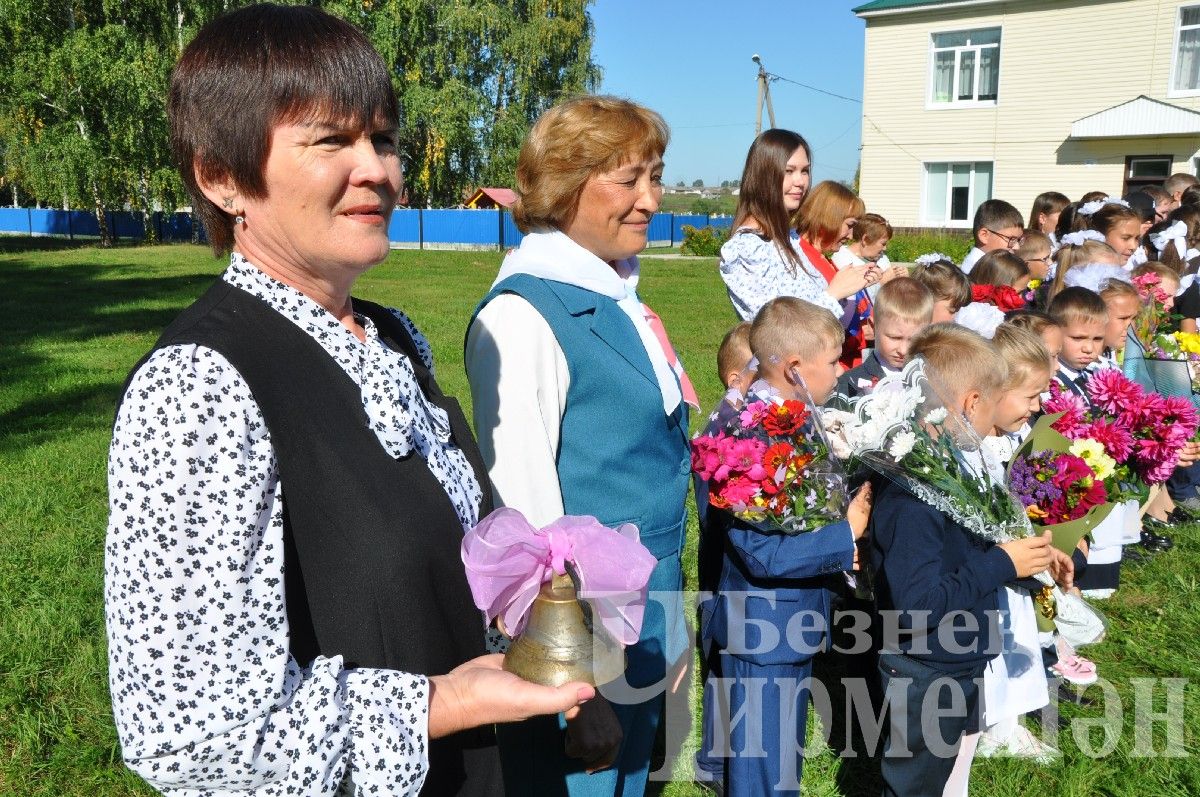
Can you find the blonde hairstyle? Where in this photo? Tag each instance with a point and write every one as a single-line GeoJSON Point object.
{"type": "Point", "coordinates": [1023, 351]}
{"type": "Point", "coordinates": [1070, 256]}
{"type": "Point", "coordinates": [998, 267]}
{"type": "Point", "coordinates": [906, 299]}
{"type": "Point", "coordinates": [574, 141]}
{"type": "Point", "coordinates": [959, 359]}
{"type": "Point", "coordinates": [1036, 321]}
{"type": "Point", "coordinates": [1116, 288]}
{"type": "Point", "coordinates": [871, 227]}
{"type": "Point", "coordinates": [825, 208]}
{"type": "Point", "coordinates": [734, 353]}
{"type": "Point", "coordinates": [1035, 241]}
{"type": "Point", "coordinates": [787, 325]}
{"type": "Point", "coordinates": [945, 281]}
{"type": "Point", "coordinates": [1077, 304]}
{"type": "Point", "coordinates": [1179, 182]}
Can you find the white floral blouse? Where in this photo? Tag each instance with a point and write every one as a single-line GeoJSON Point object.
{"type": "Point", "coordinates": [205, 693]}
{"type": "Point", "coordinates": [755, 272]}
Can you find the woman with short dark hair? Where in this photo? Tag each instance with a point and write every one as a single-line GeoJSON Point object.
{"type": "Point", "coordinates": [286, 605]}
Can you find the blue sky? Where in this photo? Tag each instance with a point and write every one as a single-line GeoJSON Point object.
{"type": "Point", "coordinates": [691, 63]}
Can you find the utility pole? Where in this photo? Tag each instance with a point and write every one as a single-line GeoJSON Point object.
{"type": "Point", "coordinates": [764, 95]}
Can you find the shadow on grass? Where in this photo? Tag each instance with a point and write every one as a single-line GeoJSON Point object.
{"type": "Point", "coordinates": [46, 308]}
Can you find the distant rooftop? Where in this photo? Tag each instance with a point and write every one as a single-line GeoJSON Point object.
{"type": "Point", "coordinates": [899, 6]}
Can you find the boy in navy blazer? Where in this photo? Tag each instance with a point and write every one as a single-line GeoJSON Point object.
{"type": "Point", "coordinates": [937, 588]}
{"type": "Point", "coordinates": [903, 307]}
{"type": "Point", "coordinates": [771, 610]}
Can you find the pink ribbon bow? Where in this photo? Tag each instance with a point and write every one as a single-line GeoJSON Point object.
{"type": "Point", "coordinates": [508, 559]}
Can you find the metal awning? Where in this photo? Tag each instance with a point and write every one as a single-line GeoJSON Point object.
{"type": "Point", "coordinates": [1141, 117]}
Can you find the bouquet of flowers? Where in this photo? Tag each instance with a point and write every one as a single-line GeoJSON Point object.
{"type": "Point", "coordinates": [1056, 487]}
{"type": "Point", "coordinates": [1175, 347]}
{"type": "Point", "coordinates": [905, 431]}
{"type": "Point", "coordinates": [1154, 313]}
{"type": "Point", "coordinates": [770, 466]}
{"type": "Point", "coordinates": [1143, 433]}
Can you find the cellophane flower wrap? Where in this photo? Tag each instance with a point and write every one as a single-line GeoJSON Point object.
{"type": "Point", "coordinates": [768, 464]}
{"type": "Point", "coordinates": [507, 560]}
{"type": "Point", "coordinates": [1143, 432]}
{"type": "Point", "coordinates": [1153, 314]}
{"type": "Point", "coordinates": [1181, 347]}
{"type": "Point", "coordinates": [906, 431]}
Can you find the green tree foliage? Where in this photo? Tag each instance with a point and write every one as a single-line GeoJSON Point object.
{"type": "Point", "coordinates": [83, 90]}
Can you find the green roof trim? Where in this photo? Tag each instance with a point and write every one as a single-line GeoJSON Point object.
{"type": "Point", "coordinates": [887, 5]}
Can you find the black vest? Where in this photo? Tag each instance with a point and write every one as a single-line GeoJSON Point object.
{"type": "Point", "coordinates": [372, 566]}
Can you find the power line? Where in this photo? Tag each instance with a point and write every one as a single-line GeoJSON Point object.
{"type": "Point", "coordinates": [773, 76]}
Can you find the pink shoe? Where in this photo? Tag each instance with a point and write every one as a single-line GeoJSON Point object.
{"type": "Point", "coordinates": [1076, 670]}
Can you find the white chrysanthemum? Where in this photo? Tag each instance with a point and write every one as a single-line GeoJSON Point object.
{"type": "Point", "coordinates": [902, 443]}
{"type": "Point", "coordinates": [936, 417]}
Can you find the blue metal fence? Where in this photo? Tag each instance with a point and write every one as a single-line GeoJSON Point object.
{"type": "Point", "coordinates": [409, 227]}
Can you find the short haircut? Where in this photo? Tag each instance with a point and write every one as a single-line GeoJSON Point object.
{"type": "Point", "coordinates": [1036, 321]}
{"type": "Point", "coordinates": [571, 143]}
{"type": "Point", "coordinates": [1069, 256]}
{"type": "Point", "coordinates": [734, 353]}
{"type": "Point", "coordinates": [1155, 192]}
{"type": "Point", "coordinates": [1179, 182]}
{"type": "Point", "coordinates": [1035, 241]}
{"type": "Point", "coordinates": [946, 282]}
{"type": "Point", "coordinates": [1077, 304]}
{"type": "Point", "coordinates": [824, 210]}
{"type": "Point", "coordinates": [872, 227]}
{"type": "Point", "coordinates": [998, 267]}
{"type": "Point", "coordinates": [787, 325]}
{"type": "Point", "coordinates": [1112, 214]}
{"type": "Point", "coordinates": [959, 360]}
{"type": "Point", "coordinates": [250, 70]}
{"type": "Point", "coordinates": [1143, 204]}
{"type": "Point", "coordinates": [1023, 351]}
{"type": "Point", "coordinates": [904, 299]}
{"type": "Point", "coordinates": [1049, 203]}
{"type": "Point", "coordinates": [996, 214]}
{"type": "Point", "coordinates": [1114, 289]}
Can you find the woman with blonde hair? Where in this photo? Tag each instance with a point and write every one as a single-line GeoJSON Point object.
{"type": "Point", "coordinates": [579, 410]}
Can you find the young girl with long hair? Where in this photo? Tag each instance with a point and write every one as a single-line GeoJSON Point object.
{"type": "Point", "coordinates": [761, 260]}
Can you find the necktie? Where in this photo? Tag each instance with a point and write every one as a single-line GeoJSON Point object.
{"type": "Point", "coordinates": [660, 332]}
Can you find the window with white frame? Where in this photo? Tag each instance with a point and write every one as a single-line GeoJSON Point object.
{"type": "Point", "coordinates": [1187, 51]}
{"type": "Point", "coordinates": [966, 67]}
{"type": "Point", "coordinates": [953, 191]}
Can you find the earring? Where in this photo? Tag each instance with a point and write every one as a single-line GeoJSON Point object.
{"type": "Point", "coordinates": [239, 219]}
{"type": "Point", "coordinates": [228, 203]}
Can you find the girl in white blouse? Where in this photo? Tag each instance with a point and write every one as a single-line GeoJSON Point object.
{"type": "Point", "coordinates": [761, 260]}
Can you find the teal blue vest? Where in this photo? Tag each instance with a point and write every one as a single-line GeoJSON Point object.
{"type": "Point", "coordinates": [620, 458]}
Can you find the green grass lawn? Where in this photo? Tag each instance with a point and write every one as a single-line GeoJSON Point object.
{"type": "Point", "coordinates": [74, 320]}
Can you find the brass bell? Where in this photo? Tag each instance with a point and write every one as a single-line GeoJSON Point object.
{"type": "Point", "coordinates": [561, 644]}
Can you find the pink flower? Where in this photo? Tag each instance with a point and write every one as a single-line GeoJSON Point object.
{"type": "Point", "coordinates": [742, 457]}
{"type": "Point", "coordinates": [1112, 391]}
{"type": "Point", "coordinates": [739, 491]}
{"type": "Point", "coordinates": [1074, 410]}
{"type": "Point", "coordinates": [1181, 416]}
{"type": "Point", "coordinates": [1117, 441]}
{"type": "Point", "coordinates": [706, 454]}
{"type": "Point", "coordinates": [754, 413]}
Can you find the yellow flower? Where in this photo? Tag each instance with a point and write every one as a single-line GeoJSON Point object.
{"type": "Point", "coordinates": [1096, 458]}
{"type": "Point", "coordinates": [1035, 284]}
{"type": "Point", "coordinates": [1188, 342]}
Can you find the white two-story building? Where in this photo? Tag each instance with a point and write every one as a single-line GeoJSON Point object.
{"type": "Point", "coordinates": [965, 100]}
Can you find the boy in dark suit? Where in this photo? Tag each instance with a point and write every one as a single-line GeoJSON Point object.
{"type": "Point", "coordinates": [929, 571]}
{"type": "Point", "coordinates": [771, 611]}
{"type": "Point", "coordinates": [903, 307]}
